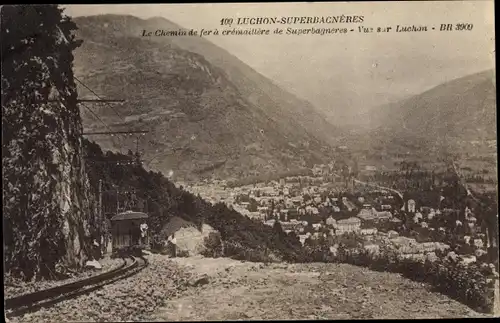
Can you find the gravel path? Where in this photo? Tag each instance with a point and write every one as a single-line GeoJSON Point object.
{"type": "Point", "coordinates": [14, 287]}
{"type": "Point", "coordinates": [131, 299]}
{"type": "Point", "coordinates": [238, 290]}
{"type": "Point", "coordinates": [198, 288]}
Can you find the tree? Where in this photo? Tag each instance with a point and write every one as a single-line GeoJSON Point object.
{"type": "Point", "coordinates": [354, 171]}
{"type": "Point", "coordinates": [409, 169]}
{"type": "Point", "coordinates": [252, 207]}
{"type": "Point", "coordinates": [277, 227]}
{"type": "Point", "coordinates": [271, 209]}
{"type": "Point", "coordinates": [309, 227]}
{"type": "Point", "coordinates": [294, 238]}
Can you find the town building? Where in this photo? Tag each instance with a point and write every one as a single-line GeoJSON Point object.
{"type": "Point", "coordinates": [411, 206]}
{"type": "Point", "coordinates": [352, 224]}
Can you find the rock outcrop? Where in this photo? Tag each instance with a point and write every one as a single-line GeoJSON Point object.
{"type": "Point", "coordinates": [47, 213]}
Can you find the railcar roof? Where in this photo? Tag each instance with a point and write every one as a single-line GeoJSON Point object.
{"type": "Point", "coordinates": [129, 215]}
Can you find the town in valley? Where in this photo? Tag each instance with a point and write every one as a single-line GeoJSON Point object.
{"type": "Point", "coordinates": [330, 202]}
{"type": "Point", "coordinates": [249, 161]}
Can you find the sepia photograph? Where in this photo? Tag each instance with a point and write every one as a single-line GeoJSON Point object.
{"type": "Point", "coordinates": [249, 161]}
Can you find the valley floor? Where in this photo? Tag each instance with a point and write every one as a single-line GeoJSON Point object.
{"type": "Point", "coordinates": [241, 290]}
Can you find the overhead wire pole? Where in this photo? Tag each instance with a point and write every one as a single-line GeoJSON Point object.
{"type": "Point", "coordinates": [101, 100]}
{"type": "Point", "coordinates": [100, 217]}
{"type": "Point", "coordinates": [111, 132]}
{"type": "Point", "coordinates": [137, 156]}
{"type": "Point", "coordinates": [115, 132]}
{"type": "Point", "coordinates": [96, 116]}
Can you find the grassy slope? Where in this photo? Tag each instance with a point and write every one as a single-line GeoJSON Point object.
{"type": "Point", "coordinates": [461, 109]}
{"type": "Point", "coordinates": [199, 114]}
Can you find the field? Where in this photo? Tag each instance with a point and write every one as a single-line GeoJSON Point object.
{"type": "Point", "coordinates": [476, 160]}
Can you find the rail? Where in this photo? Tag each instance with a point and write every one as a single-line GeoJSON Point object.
{"type": "Point", "coordinates": [48, 297]}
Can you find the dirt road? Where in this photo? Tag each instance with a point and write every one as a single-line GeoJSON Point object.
{"type": "Point", "coordinates": [234, 290]}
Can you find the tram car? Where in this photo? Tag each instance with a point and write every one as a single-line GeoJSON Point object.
{"type": "Point", "coordinates": [129, 230]}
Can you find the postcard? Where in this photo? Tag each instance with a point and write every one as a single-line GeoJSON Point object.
{"type": "Point", "coordinates": [255, 161]}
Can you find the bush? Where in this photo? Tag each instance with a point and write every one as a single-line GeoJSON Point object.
{"type": "Point", "coordinates": [468, 284]}
{"type": "Point", "coordinates": [213, 245]}
{"type": "Point", "coordinates": [182, 253]}
{"type": "Point", "coordinates": [238, 251]}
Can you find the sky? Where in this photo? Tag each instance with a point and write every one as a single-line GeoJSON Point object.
{"type": "Point", "coordinates": [345, 75]}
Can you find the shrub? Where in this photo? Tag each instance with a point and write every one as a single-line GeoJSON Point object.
{"type": "Point", "coordinates": [182, 253]}
{"type": "Point", "coordinates": [213, 245]}
{"type": "Point", "coordinates": [469, 284]}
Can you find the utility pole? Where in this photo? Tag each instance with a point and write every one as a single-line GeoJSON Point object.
{"type": "Point", "coordinates": [100, 198]}
{"type": "Point", "coordinates": [112, 133]}
{"type": "Point", "coordinates": [101, 101]}
{"type": "Point", "coordinates": [91, 101]}
{"type": "Point", "coordinates": [137, 159]}
{"type": "Point", "coordinates": [115, 132]}
{"type": "Point", "coordinates": [100, 217]}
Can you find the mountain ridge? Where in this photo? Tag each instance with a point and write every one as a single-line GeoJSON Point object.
{"type": "Point", "coordinates": [246, 79]}
{"type": "Point", "coordinates": [460, 109]}
{"type": "Point", "coordinates": [197, 116]}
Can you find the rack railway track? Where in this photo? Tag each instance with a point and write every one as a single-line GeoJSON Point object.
{"type": "Point", "coordinates": [45, 298]}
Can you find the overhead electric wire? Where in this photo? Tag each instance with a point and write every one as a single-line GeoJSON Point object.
{"type": "Point", "coordinates": [114, 110]}
{"type": "Point", "coordinates": [95, 115]}
{"type": "Point", "coordinates": [111, 131]}
{"type": "Point", "coordinates": [88, 88]}
{"type": "Point", "coordinates": [103, 101]}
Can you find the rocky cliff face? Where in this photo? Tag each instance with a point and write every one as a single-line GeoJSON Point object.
{"type": "Point", "coordinates": [47, 211]}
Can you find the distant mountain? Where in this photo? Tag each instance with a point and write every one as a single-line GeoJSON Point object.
{"type": "Point", "coordinates": [207, 112]}
{"type": "Point", "coordinates": [281, 106]}
{"type": "Point", "coordinates": [463, 109]}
